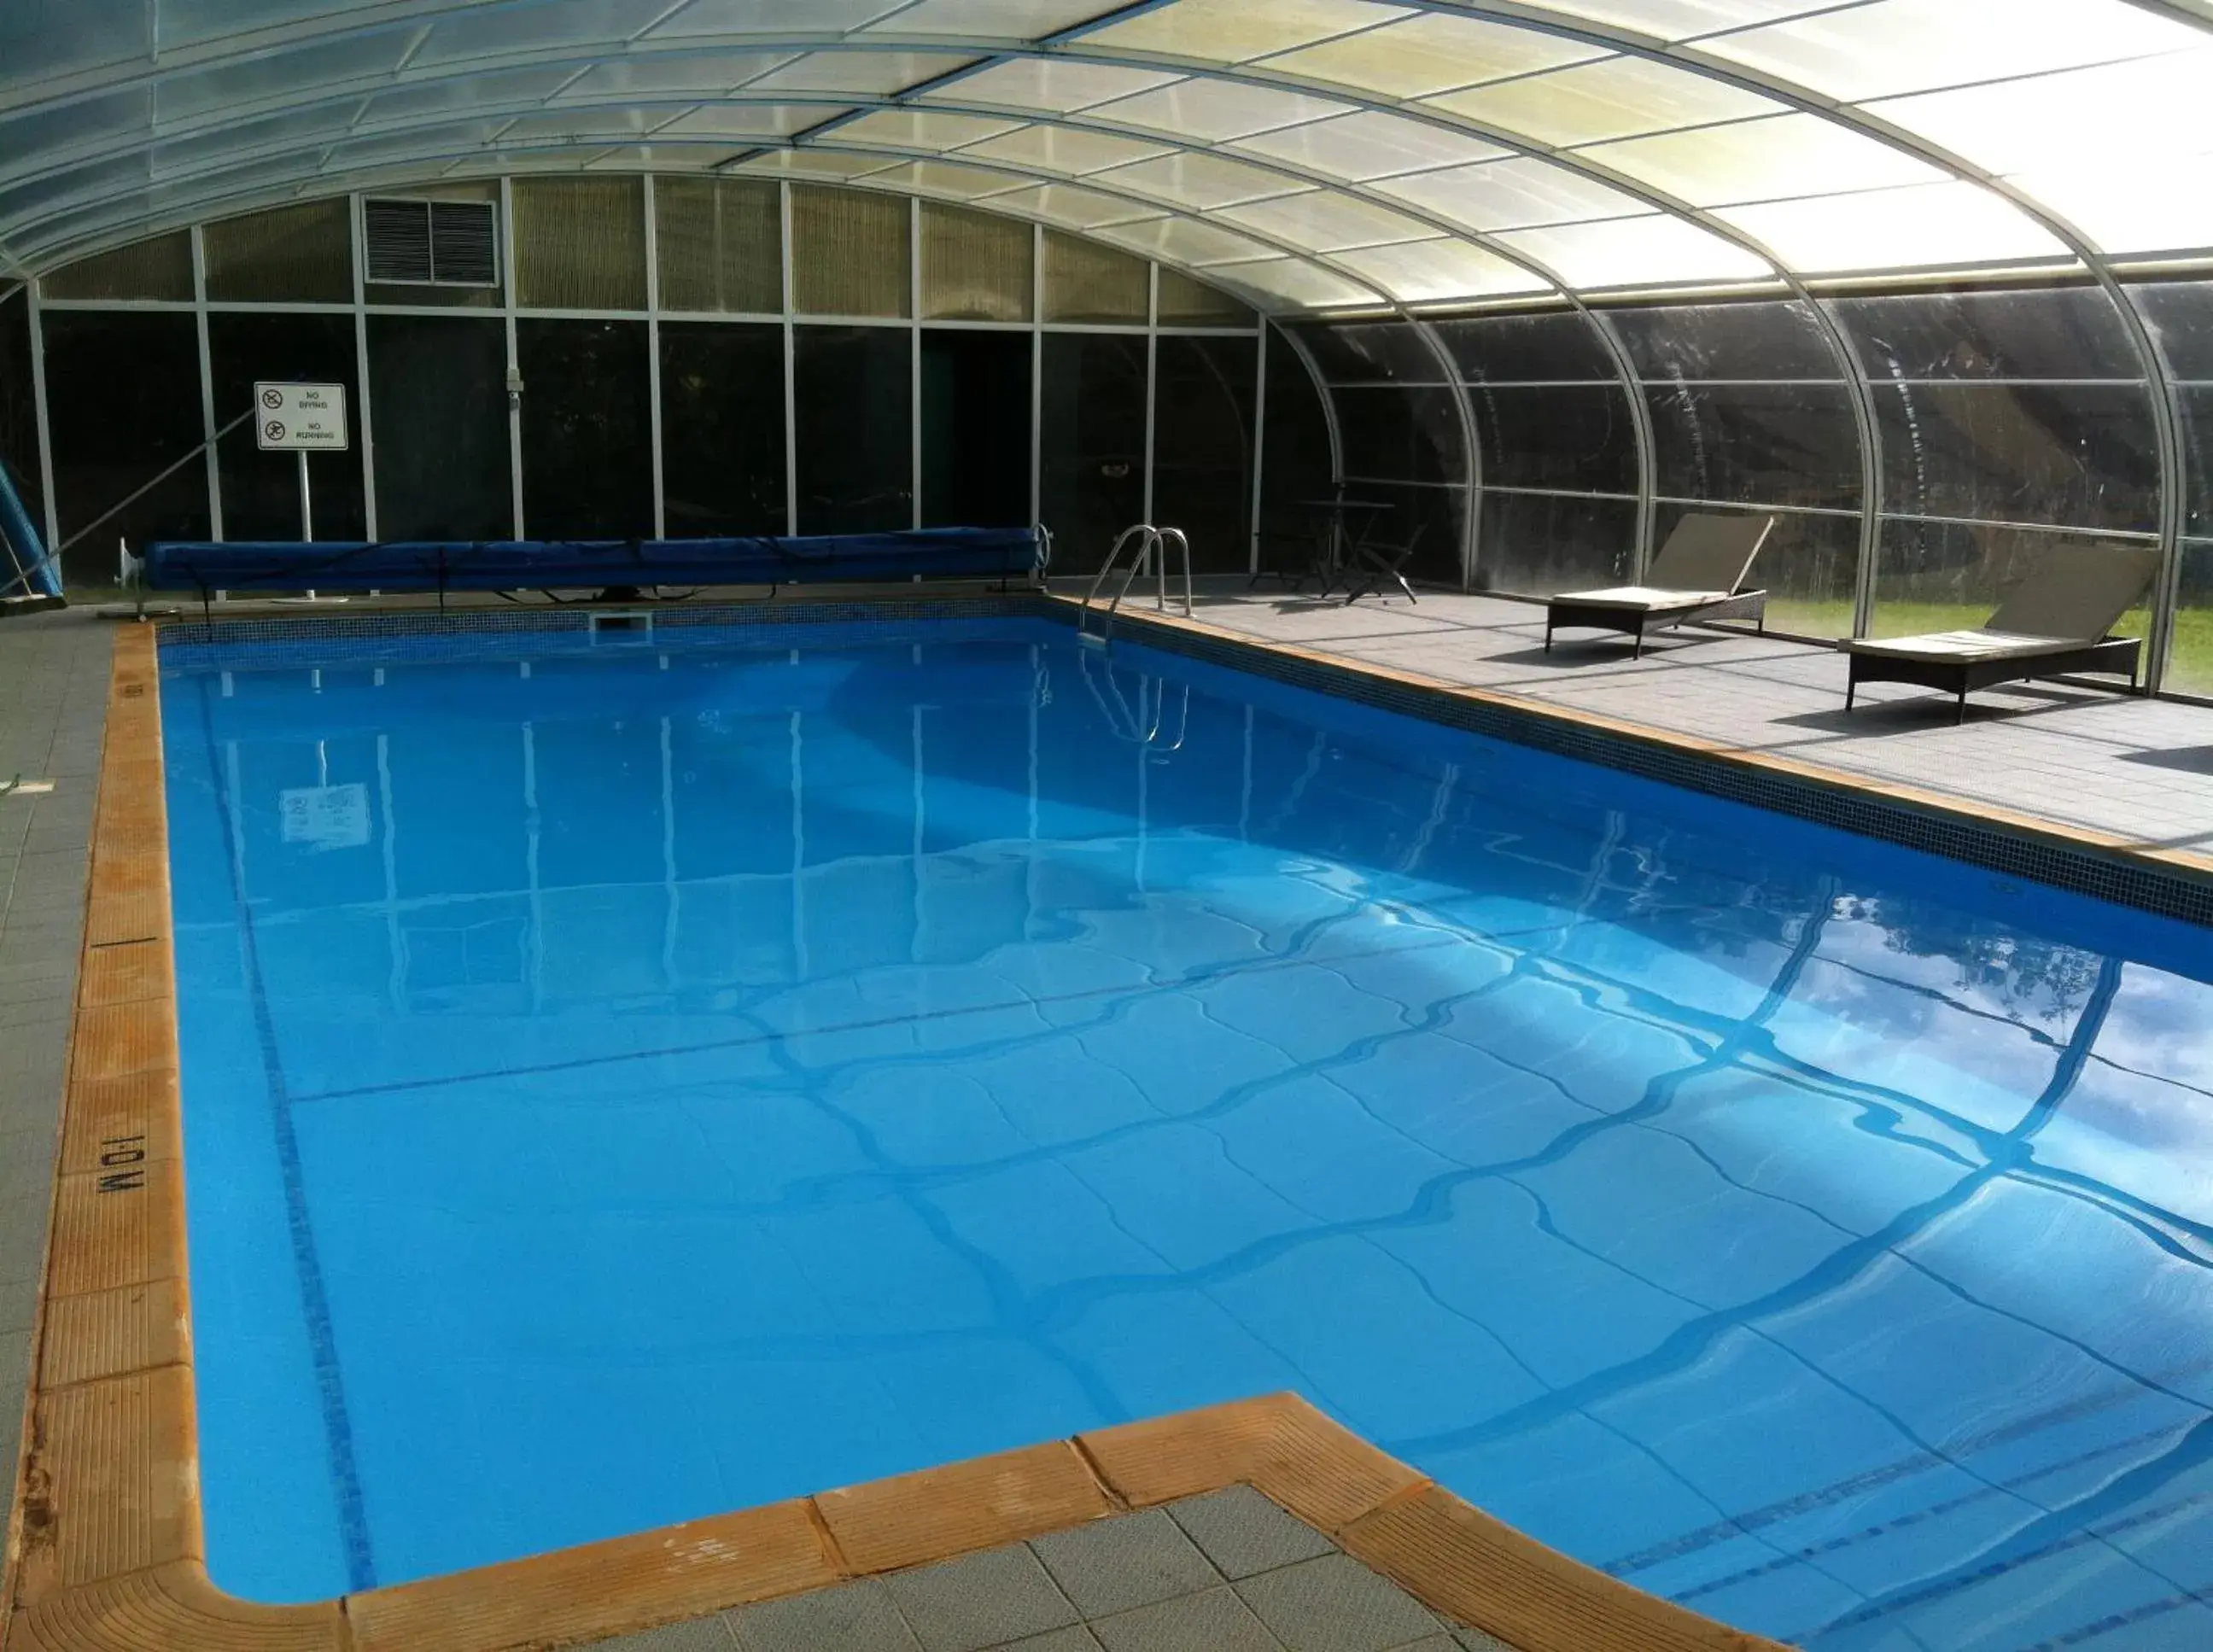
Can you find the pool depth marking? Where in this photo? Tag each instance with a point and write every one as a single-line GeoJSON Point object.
{"type": "Point", "coordinates": [307, 1263]}
{"type": "Point", "coordinates": [110, 1551]}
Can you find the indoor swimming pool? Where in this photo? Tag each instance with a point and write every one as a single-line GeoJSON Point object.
{"type": "Point", "coordinates": [628, 1076]}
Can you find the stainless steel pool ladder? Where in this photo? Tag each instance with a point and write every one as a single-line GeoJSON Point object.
{"type": "Point", "coordinates": [1152, 545]}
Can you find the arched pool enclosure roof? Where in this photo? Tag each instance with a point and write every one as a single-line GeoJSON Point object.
{"type": "Point", "coordinates": [1310, 155]}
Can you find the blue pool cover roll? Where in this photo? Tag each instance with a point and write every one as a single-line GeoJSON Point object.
{"type": "Point", "coordinates": [563, 564]}
{"type": "Point", "coordinates": [32, 569]}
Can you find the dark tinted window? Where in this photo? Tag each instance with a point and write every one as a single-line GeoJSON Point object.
{"type": "Point", "coordinates": [1793, 444]}
{"type": "Point", "coordinates": [1092, 443]}
{"type": "Point", "coordinates": [975, 428]}
{"type": "Point", "coordinates": [438, 404]}
{"type": "Point", "coordinates": [1400, 435]}
{"type": "Point", "coordinates": [19, 411]}
{"type": "Point", "coordinates": [1535, 543]}
{"type": "Point", "coordinates": [1726, 341]}
{"type": "Point", "coordinates": [123, 402]}
{"type": "Point", "coordinates": [2181, 316]}
{"type": "Point", "coordinates": [1514, 349]}
{"type": "Point", "coordinates": [587, 430]}
{"type": "Point", "coordinates": [1576, 436]}
{"type": "Point", "coordinates": [852, 386]}
{"type": "Point", "coordinates": [2066, 332]}
{"type": "Point", "coordinates": [722, 429]}
{"type": "Point", "coordinates": [1203, 446]}
{"type": "Point", "coordinates": [2080, 455]}
{"type": "Point", "coordinates": [261, 490]}
{"type": "Point", "coordinates": [1352, 351]}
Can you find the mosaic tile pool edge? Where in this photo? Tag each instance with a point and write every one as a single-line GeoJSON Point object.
{"type": "Point", "coordinates": [2047, 853]}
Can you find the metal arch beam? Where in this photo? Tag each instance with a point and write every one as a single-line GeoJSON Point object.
{"type": "Point", "coordinates": [2158, 382]}
{"type": "Point", "coordinates": [1299, 176]}
{"type": "Point", "coordinates": [1071, 44]}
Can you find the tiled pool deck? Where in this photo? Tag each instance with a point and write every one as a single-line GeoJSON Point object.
{"type": "Point", "coordinates": [1227, 1572]}
{"type": "Point", "coordinates": [2134, 769]}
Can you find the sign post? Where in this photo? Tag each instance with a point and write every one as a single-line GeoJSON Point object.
{"type": "Point", "coordinates": [303, 419]}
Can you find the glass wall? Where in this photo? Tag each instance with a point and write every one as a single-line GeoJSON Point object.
{"type": "Point", "coordinates": [1401, 433]}
{"type": "Point", "coordinates": [1203, 424]}
{"type": "Point", "coordinates": [123, 405]}
{"type": "Point", "coordinates": [2181, 315]}
{"type": "Point", "coordinates": [1751, 413]}
{"type": "Point", "coordinates": [19, 405]}
{"type": "Point", "coordinates": [1558, 445]}
{"type": "Point", "coordinates": [2007, 420]}
{"type": "Point", "coordinates": [1297, 459]}
{"type": "Point", "coordinates": [438, 412]}
{"type": "Point", "coordinates": [975, 428]}
{"type": "Point", "coordinates": [586, 429]}
{"type": "Point", "coordinates": [701, 356]}
{"type": "Point", "coordinates": [1091, 438]}
{"type": "Point", "coordinates": [854, 406]}
{"type": "Point", "coordinates": [261, 490]}
{"type": "Point", "coordinates": [722, 424]}
{"type": "Point", "coordinates": [647, 359]}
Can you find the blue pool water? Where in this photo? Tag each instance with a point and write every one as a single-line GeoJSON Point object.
{"type": "Point", "coordinates": [628, 1082]}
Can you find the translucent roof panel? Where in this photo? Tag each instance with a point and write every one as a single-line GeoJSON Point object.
{"type": "Point", "coordinates": [1326, 223]}
{"type": "Point", "coordinates": [1053, 87]}
{"type": "Point", "coordinates": [1378, 152]}
{"type": "Point", "coordinates": [1205, 107]}
{"type": "Point", "coordinates": [1439, 272]}
{"type": "Point", "coordinates": [1894, 47]}
{"type": "Point", "coordinates": [1238, 31]}
{"type": "Point", "coordinates": [1614, 97]}
{"type": "Point", "coordinates": [1430, 53]}
{"type": "Point", "coordinates": [1654, 251]}
{"type": "Point", "coordinates": [1512, 195]}
{"type": "Point", "coordinates": [1933, 225]}
{"type": "Point", "coordinates": [1370, 144]}
{"type": "Point", "coordinates": [1278, 283]}
{"type": "Point", "coordinates": [1765, 160]}
{"type": "Point", "coordinates": [1066, 149]}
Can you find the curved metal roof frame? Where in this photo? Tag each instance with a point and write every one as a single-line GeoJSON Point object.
{"type": "Point", "coordinates": [79, 227]}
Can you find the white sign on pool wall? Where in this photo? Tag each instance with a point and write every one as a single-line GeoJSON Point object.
{"type": "Point", "coordinates": [301, 418]}
{"type": "Point", "coordinates": [325, 817]}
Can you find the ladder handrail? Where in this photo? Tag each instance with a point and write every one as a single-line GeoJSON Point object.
{"type": "Point", "coordinates": [1150, 540]}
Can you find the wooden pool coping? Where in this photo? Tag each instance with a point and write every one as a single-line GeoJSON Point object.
{"type": "Point", "coordinates": [107, 1549]}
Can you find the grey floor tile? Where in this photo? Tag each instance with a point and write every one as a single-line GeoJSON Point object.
{"type": "Point", "coordinates": [962, 1606]}
{"type": "Point", "coordinates": [1242, 1533]}
{"type": "Point", "coordinates": [700, 1634]}
{"type": "Point", "coordinates": [18, 1291]}
{"type": "Point", "coordinates": [1474, 1640]}
{"type": "Point", "coordinates": [1112, 1566]}
{"type": "Point", "coordinates": [1075, 1639]}
{"type": "Point", "coordinates": [1336, 1605]}
{"type": "Point", "coordinates": [860, 1616]}
{"type": "Point", "coordinates": [1215, 1621]}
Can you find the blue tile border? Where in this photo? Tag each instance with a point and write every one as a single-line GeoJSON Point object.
{"type": "Point", "coordinates": [1837, 800]}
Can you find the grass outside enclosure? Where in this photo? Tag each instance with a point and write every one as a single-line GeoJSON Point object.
{"type": "Point", "coordinates": [2191, 673]}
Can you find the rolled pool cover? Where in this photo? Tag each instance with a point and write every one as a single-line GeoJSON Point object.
{"type": "Point", "coordinates": [1003, 553]}
{"type": "Point", "coordinates": [27, 569]}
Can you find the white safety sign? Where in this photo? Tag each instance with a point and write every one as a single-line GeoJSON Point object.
{"type": "Point", "coordinates": [301, 418]}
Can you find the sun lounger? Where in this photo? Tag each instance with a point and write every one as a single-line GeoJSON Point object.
{"type": "Point", "coordinates": [1699, 574]}
{"type": "Point", "coordinates": [2056, 621]}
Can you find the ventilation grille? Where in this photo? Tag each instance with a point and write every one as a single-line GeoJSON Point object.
{"type": "Point", "coordinates": [431, 243]}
